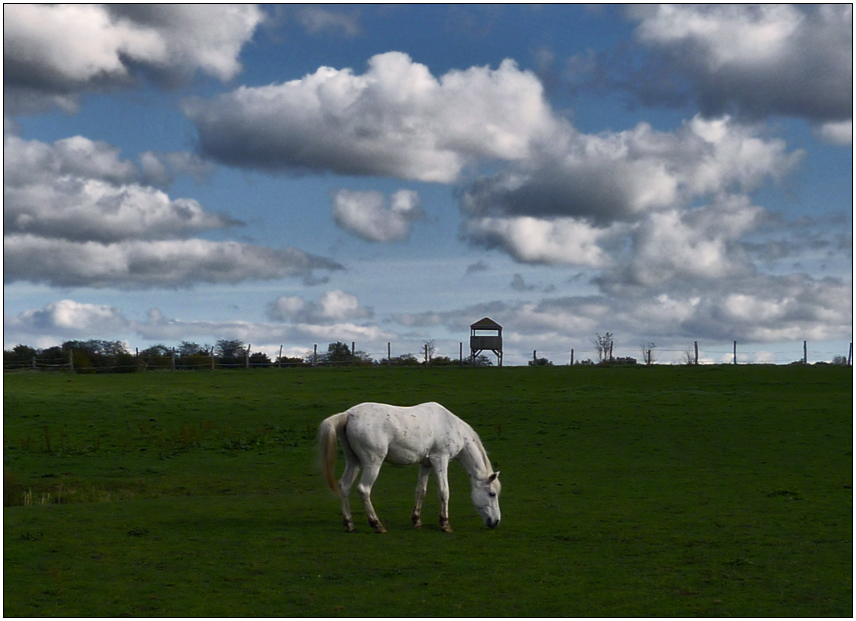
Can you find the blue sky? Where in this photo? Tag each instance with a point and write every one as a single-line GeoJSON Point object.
{"type": "Point", "coordinates": [300, 174]}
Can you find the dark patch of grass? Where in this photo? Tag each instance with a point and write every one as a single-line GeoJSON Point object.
{"type": "Point", "coordinates": [712, 491]}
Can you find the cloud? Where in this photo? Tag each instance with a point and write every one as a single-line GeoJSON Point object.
{"type": "Point", "coordinates": [365, 215]}
{"type": "Point", "coordinates": [81, 190]}
{"type": "Point", "coordinates": [623, 175]}
{"type": "Point", "coordinates": [394, 120]}
{"type": "Point", "coordinates": [757, 60]}
{"type": "Point", "coordinates": [333, 306]}
{"type": "Point", "coordinates": [317, 20]}
{"type": "Point", "coordinates": [837, 132]}
{"type": "Point", "coordinates": [478, 266]}
{"type": "Point", "coordinates": [53, 53]}
{"type": "Point", "coordinates": [700, 243]}
{"type": "Point", "coordinates": [578, 197]}
{"type": "Point", "coordinates": [757, 308]}
{"type": "Point", "coordinates": [70, 318]}
{"type": "Point", "coordinates": [534, 240]}
{"type": "Point", "coordinates": [518, 284]}
{"type": "Point", "coordinates": [143, 264]}
{"type": "Point", "coordinates": [76, 214]}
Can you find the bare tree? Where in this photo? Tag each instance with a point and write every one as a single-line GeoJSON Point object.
{"type": "Point", "coordinates": [648, 353]}
{"type": "Point", "coordinates": [429, 351]}
{"type": "Point", "coordinates": [603, 345]}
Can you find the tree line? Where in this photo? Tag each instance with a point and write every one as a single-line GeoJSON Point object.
{"type": "Point", "coordinates": [113, 356]}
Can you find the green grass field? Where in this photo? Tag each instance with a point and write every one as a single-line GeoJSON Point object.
{"type": "Point", "coordinates": [661, 491]}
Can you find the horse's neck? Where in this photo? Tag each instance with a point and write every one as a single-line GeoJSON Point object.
{"type": "Point", "coordinates": [474, 458]}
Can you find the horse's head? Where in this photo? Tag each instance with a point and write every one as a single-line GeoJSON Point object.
{"type": "Point", "coordinates": [485, 497]}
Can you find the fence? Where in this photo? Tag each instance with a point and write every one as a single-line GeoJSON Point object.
{"type": "Point", "coordinates": [129, 363]}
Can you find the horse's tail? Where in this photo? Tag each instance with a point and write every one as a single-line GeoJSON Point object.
{"type": "Point", "coordinates": [328, 434]}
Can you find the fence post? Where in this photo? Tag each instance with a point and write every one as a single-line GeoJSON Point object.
{"type": "Point", "coordinates": [315, 355]}
{"type": "Point", "coordinates": [247, 357]}
{"type": "Point", "coordinates": [172, 360]}
{"type": "Point", "coordinates": [572, 356]}
{"type": "Point", "coordinates": [534, 358]}
{"type": "Point", "coordinates": [71, 360]}
{"type": "Point", "coordinates": [695, 346]}
{"type": "Point", "coordinates": [850, 356]}
{"type": "Point", "coordinates": [461, 353]}
{"type": "Point", "coordinates": [280, 357]}
{"type": "Point", "coordinates": [34, 362]}
{"type": "Point", "coordinates": [212, 357]}
{"type": "Point", "coordinates": [388, 354]}
{"type": "Point", "coordinates": [735, 352]}
{"type": "Point", "coordinates": [805, 353]}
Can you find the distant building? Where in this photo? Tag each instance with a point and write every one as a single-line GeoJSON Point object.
{"type": "Point", "coordinates": [481, 342]}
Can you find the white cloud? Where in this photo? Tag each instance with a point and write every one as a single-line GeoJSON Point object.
{"type": "Point", "coordinates": [533, 240]}
{"type": "Point", "coordinates": [71, 318]}
{"type": "Point", "coordinates": [396, 119]}
{"type": "Point", "coordinates": [54, 52]}
{"type": "Point", "coordinates": [90, 209]}
{"type": "Point", "coordinates": [837, 132]}
{"type": "Point", "coordinates": [756, 59]}
{"type": "Point", "coordinates": [696, 244]}
{"type": "Point", "coordinates": [332, 306]}
{"type": "Point", "coordinates": [315, 19]}
{"type": "Point", "coordinates": [365, 215]}
{"type": "Point", "coordinates": [81, 190]}
{"type": "Point", "coordinates": [76, 214]}
{"type": "Point", "coordinates": [623, 175]}
{"type": "Point", "coordinates": [142, 264]}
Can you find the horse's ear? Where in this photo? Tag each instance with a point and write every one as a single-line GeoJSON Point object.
{"type": "Point", "coordinates": [493, 477]}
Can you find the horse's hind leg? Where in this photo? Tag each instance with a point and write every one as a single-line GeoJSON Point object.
{"type": "Point", "coordinates": [421, 488]}
{"type": "Point", "coordinates": [345, 484]}
{"type": "Point", "coordinates": [364, 489]}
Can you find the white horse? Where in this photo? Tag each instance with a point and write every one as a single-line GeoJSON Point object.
{"type": "Point", "coordinates": [426, 434]}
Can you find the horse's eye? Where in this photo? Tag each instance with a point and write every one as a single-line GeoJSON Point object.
{"type": "Point", "coordinates": [491, 494]}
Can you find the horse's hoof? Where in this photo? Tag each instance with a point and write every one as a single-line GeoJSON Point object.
{"type": "Point", "coordinates": [447, 529]}
{"type": "Point", "coordinates": [350, 529]}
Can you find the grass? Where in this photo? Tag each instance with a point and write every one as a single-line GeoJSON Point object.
{"type": "Point", "coordinates": [706, 491]}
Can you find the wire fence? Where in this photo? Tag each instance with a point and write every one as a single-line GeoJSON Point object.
{"type": "Point", "coordinates": [696, 354]}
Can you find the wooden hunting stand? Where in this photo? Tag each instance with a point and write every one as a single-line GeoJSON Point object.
{"type": "Point", "coordinates": [479, 342]}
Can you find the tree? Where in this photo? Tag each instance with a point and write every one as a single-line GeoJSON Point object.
{"type": "Point", "coordinates": [259, 359]}
{"type": "Point", "coordinates": [230, 352]}
{"type": "Point", "coordinates": [404, 360]}
{"type": "Point", "coordinates": [187, 349]}
{"type": "Point", "coordinates": [540, 362]}
{"type": "Point", "coordinates": [428, 348]}
{"type": "Point", "coordinates": [340, 353]}
{"type": "Point", "coordinates": [603, 346]}
{"type": "Point", "coordinates": [286, 361]}
{"type": "Point", "coordinates": [337, 353]}
{"type": "Point", "coordinates": [648, 356]}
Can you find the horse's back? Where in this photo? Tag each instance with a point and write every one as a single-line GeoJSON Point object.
{"type": "Point", "coordinates": [402, 435]}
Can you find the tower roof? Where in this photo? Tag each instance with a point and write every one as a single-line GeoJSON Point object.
{"type": "Point", "coordinates": [485, 323]}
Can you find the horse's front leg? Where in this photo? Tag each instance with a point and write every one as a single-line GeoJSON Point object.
{"type": "Point", "coordinates": [421, 488]}
{"type": "Point", "coordinates": [364, 489]}
{"type": "Point", "coordinates": [441, 467]}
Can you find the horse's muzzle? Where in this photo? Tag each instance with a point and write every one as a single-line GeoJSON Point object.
{"type": "Point", "coordinates": [491, 523]}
